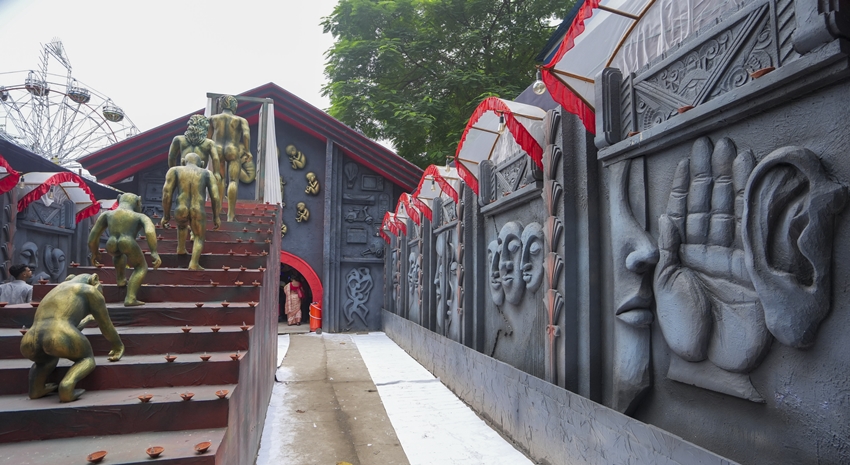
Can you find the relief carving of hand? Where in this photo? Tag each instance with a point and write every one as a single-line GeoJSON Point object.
{"type": "Point", "coordinates": [706, 303]}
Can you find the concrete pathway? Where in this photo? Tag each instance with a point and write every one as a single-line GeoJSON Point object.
{"type": "Point", "coordinates": [361, 399]}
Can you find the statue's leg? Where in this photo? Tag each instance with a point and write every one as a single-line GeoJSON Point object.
{"type": "Point", "coordinates": [120, 262]}
{"type": "Point", "coordinates": [39, 371]}
{"type": "Point", "coordinates": [198, 226]}
{"type": "Point", "coordinates": [182, 234]}
{"type": "Point", "coordinates": [232, 189]}
{"type": "Point", "coordinates": [136, 259]}
{"type": "Point", "coordinates": [80, 370]}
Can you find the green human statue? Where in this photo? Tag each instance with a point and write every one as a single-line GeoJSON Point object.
{"type": "Point", "coordinates": [124, 224]}
{"type": "Point", "coordinates": [232, 138]}
{"type": "Point", "coordinates": [56, 333]}
{"type": "Point", "coordinates": [192, 183]}
{"type": "Point", "coordinates": [194, 140]}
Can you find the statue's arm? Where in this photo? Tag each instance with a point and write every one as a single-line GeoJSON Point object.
{"type": "Point", "coordinates": [246, 136]}
{"type": "Point", "coordinates": [150, 236]}
{"type": "Point", "coordinates": [94, 237]}
{"type": "Point", "coordinates": [174, 153]}
{"type": "Point", "coordinates": [167, 192]}
{"type": "Point", "coordinates": [215, 160]}
{"type": "Point", "coordinates": [97, 308]}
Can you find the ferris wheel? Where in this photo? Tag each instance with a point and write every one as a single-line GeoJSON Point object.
{"type": "Point", "coordinates": [55, 115]}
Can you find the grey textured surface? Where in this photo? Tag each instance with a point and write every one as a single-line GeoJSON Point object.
{"type": "Point", "coordinates": [549, 423]}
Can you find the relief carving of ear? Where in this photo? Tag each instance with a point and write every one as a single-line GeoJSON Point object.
{"type": "Point", "coordinates": [787, 237]}
{"type": "Point", "coordinates": [493, 278]}
{"type": "Point", "coordinates": [532, 256]}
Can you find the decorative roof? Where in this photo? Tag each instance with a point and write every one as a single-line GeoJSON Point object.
{"type": "Point", "coordinates": [150, 148]}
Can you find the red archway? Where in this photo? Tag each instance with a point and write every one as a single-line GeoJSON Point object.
{"type": "Point", "coordinates": [307, 271]}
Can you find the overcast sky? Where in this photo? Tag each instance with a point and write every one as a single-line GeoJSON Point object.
{"type": "Point", "coordinates": [157, 59]}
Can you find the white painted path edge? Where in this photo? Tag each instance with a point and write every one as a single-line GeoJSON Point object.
{"type": "Point", "coordinates": [433, 425]}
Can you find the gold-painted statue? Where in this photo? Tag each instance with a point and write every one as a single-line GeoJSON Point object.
{"type": "Point", "coordinates": [312, 184]}
{"type": "Point", "coordinates": [192, 182]}
{"type": "Point", "coordinates": [195, 140]}
{"type": "Point", "coordinates": [232, 138]}
{"type": "Point", "coordinates": [301, 213]}
{"type": "Point", "coordinates": [55, 334]}
{"type": "Point", "coordinates": [296, 157]}
{"type": "Point", "coordinates": [282, 230]}
{"type": "Point", "coordinates": [124, 224]}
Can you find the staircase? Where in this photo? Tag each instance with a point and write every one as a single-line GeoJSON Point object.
{"type": "Point", "coordinates": [184, 317]}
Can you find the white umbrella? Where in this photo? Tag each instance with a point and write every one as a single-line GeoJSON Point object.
{"type": "Point", "coordinates": [626, 34]}
{"type": "Point", "coordinates": [499, 123]}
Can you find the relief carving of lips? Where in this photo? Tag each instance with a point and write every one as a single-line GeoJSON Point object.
{"type": "Point", "coordinates": [635, 310]}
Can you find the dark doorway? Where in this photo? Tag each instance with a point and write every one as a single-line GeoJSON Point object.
{"type": "Point", "coordinates": [287, 272]}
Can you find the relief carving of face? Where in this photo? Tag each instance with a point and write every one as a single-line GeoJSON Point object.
{"type": "Point", "coordinates": [54, 262]}
{"type": "Point", "coordinates": [439, 278]}
{"type": "Point", "coordinates": [493, 278]}
{"type": "Point", "coordinates": [29, 255]}
{"type": "Point", "coordinates": [634, 252]}
{"type": "Point", "coordinates": [532, 256]}
{"type": "Point", "coordinates": [413, 274]}
{"type": "Point", "coordinates": [510, 250]}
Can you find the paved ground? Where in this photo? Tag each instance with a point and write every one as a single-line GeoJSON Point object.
{"type": "Point", "coordinates": [361, 399]}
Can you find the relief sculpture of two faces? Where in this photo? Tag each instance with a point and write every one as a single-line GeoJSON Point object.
{"type": "Point", "coordinates": [515, 260]}
{"type": "Point", "coordinates": [743, 256]}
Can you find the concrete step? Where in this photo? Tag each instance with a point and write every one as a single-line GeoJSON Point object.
{"type": "Point", "coordinates": [208, 293]}
{"type": "Point", "coordinates": [125, 449]}
{"type": "Point", "coordinates": [116, 411]}
{"type": "Point", "coordinates": [150, 314]}
{"type": "Point", "coordinates": [211, 247]}
{"type": "Point", "coordinates": [208, 260]}
{"type": "Point", "coordinates": [133, 372]}
{"type": "Point", "coordinates": [257, 232]}
{"type": "Point", "coordinates": [140, 340]}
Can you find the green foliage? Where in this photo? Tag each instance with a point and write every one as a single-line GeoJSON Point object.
{"type": "Point", "coordinates": [413, 71]}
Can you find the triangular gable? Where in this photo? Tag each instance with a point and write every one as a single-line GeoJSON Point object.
{"type": "Point", "coordinates": [130, 156]}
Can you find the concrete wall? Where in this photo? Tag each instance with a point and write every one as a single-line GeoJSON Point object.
{"type": "Point", "coordinates": [550, 424]}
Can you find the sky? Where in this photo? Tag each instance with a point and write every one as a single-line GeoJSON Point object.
{"type": "Point", "coordinates": [157, 59]}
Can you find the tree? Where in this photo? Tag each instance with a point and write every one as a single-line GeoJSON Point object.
{"type": "Point", "coordinates": [413, 71]}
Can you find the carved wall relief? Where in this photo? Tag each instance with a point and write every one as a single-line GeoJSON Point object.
{"type": "Point", "coordinates": [441, 291]}
{"type": "Point", "coordinates": [745, 255]}
{"type": "Point", "coordinates": [350, 170]}
{"type": "Point", "coordinates": [634, 255]}
{"type": "Point", "coordinates": [413, 276]}
{"type": "Point", "coordinates": [312, 184]}
{"type": "Point", "coordinates": [7, 234]}
{"type": "Point", "coordinates": [296, 158]}
{"type": "Point", "coordinates": [54, 263]}
{"type": "Point", "coordinates": [494, 279]}
{"type": "Point", "coordinates": [510, 256]}
{"type": "Point", "coordinates": [358, 287]}
{"type": "Point", "coordinates": [532, 256]}
{"type": "Point", "coordinates": [301, 212]}
{"type": "Point", "coordinates": [718, 64]}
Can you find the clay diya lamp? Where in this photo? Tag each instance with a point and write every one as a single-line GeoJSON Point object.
{"type": "Point", "coordinates": [247, 253]}
{"type": "Point", "coordinates": [206, 357]}
{"type": "Point", "coordinates": [761, 72]}
{"type": "Point", "coordinates": [3, 304]}
{"type": "Point", "coordinates": [187, 395]}
{"type": "Point", "coordinates": [222, 394]}
{"type": "Point", "coordinates": [34, 304]}
{"type": "Point", "coordinates": [244, 229]}
{"type": "Point", "coordinates": [96, 457]}
{"type": "Point", "coordinates": [225, 304]}
{"type": "Point", "coordinates": [155, 451]}
{"type": "Point", "coordinates": [235, 356]}
{"type": "Point", "coordinates": [262, 268]}
{"type": "Point", "coordinates": [99, 265]}
{"type": "Point", "coordinates": [268, 241]}
{"type": "Point", "coordinates": [249, 221]}
{"type": "Point", "coordinates": [101, 250]}
{"type": "Point", "coordinates": [256, 283]}
{"type": "Point", "coordinates": [264, 253]}
{"type": "Point", "coordinates": [238, 239]}
{"type": "Point", "coordinates": [142, 237]}
{"type": "Point", "coordinates": [23, 330]}
{"type": "Point", "coordinates": [684, 108]}
{"type": "Point", "coordinates": [244, 327]}
{"type": "Point", "coordinates": [225, 267]}
{"type": "Point", "coordinates": [213, 283]}
{"type": "Point", "coordinates": [251, 241]}
{"type": "Point", "coordinates": [269, 231]}
{"type": "Point", "coordinates": [252, 304]}
{"type": "Point", "coordinates": [238, 283]}
{"type": "Point", "coordinates": [242, 268]}
{"type": "Point", "coordinates": [145, 398]}
{"type": "Point", "coordinates": [170, 358]}
{"type": "Point", "coordinates": [186, 329]}
{"type": "Point", "coordinates": [74, 264]}
{"type": "Point", "coordinates": [215, 328]}
{"type": "Point", "coordinates": [202, 447]}
{"type": "Point", "coordinates": [259, 230]}
{"type": "Point", "coordinates": [42, 281]}
{"type": "Point", "coordinates": [159, 238]}
{"type": "Point", "coordinates": [230, 252]}
{"type": "Point", "coordinates": [199, 304]}
{"type": "Point", "coordinates": [261, 221]}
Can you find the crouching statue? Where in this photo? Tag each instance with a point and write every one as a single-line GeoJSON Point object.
{"type": "Point", "coordinates": [56, 334]}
